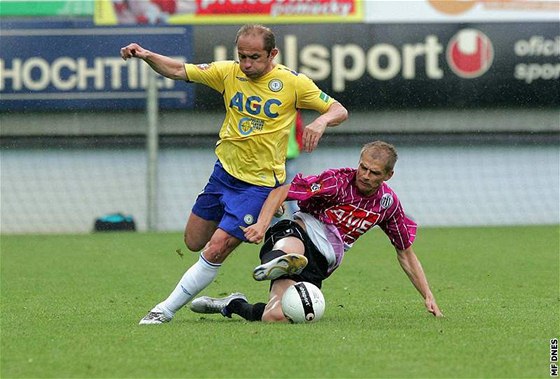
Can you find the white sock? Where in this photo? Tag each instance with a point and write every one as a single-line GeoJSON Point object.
{"type": "Point", "coordinates": [197, 277]}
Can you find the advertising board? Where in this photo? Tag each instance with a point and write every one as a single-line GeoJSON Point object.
{"type": "Point", "coordinates": [55, 8]}
{"type": "Point", "coordinates": [67, 65]}
{"type": "Point", "coordinates": [369, 66]}
{"type": "Point", "coordinates": [180, 12]}
{"type": "Point", "coordinates": [453, 11]}
{"type": "Point", "coordinates": [365, 66]}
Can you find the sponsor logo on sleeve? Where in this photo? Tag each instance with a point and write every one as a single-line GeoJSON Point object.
{"type": "Point", "coordinates": [315, 187]}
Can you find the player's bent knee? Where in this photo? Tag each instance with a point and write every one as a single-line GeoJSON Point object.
{"type": "Point", "coordinates": [193, 245]}
{"type": "Point", "coordinates": [198, 232]}
{"type": "Point", "coordinates": [290, 245]}
{"type": "Point", "coordinates": [219, 247]}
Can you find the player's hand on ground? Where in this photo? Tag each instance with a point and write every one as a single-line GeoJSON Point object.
{"type": "Point", "coordinates": [133, 51]}
{"type": "Point", "coordinates": [433, 308]}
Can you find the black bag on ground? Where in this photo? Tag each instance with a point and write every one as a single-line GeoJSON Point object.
{"type": "Point", "coordinates": [114, 222]}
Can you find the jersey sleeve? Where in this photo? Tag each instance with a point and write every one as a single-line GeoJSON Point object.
{"type": "Point", "coordinates": [400, 229]}
{"type": "Point", "coordinates": [323, 185]}
{"type": "Point", "coordinates": [209, 74]}
{"type": "Point", "coordinates": [309, 96]}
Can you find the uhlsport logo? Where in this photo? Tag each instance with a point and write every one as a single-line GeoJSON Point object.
{"type": "Point", "coordinates": [470, 53]}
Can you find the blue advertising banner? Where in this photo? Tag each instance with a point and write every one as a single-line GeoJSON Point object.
{"type": "Point", "coordinates": [75, 65]}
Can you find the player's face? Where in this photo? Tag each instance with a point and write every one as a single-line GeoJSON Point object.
{"type": "Point", "coordinates": [371, 174]}
{"type": "Point", "coordinates": [254, 60]}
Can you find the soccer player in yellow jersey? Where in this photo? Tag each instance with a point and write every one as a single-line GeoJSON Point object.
{"type": "Point", "coordinates": [261, 99]}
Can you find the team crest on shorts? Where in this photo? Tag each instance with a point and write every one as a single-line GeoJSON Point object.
{"type": "Point", "coordinates": [275, 85]}
{"type": "Point", "coordinates": [249, 219]}
{"type": "Point", "coordinates": [386, 201]}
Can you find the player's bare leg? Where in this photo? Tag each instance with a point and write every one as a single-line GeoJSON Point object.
{"type": "Point", "coordinates": [273, 309]}
{"type": "Point", "coordinates": [221, 244]}
{"type": "Point", "coordinates": [196, 278]}
{"type": "Point", "coordinates": [237, 303]}
{"type": "Point", "coordinates": [290, 245]}
{"type": "Point", "coordinates": [198, 232]}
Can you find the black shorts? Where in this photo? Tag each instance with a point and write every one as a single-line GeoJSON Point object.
{"type": "Point", "coordinates": [316, 270]}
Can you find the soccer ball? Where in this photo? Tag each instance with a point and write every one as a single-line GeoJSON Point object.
{"type": "Point", "coordinates": [303, 302]}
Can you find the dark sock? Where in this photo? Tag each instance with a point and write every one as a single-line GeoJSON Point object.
{"type": "Point", "coordinates": [273, 254]}
{"type": "Point", "coordinates": [250, 312]}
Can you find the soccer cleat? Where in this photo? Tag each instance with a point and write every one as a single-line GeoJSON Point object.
{"type": "Point", "coordinates": [285, 265]}
{"type": "Point", "coordinates": [155, 316]}
{"type": "Point", "coordinates": [206, 304]}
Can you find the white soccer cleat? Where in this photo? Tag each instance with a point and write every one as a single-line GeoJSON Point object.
{"type": "Point", "coordinates": [206, 304]}
{"type": "Point", "coordinates": [285, 265]}
{"type": "Point", "coordinates": [155, 316]}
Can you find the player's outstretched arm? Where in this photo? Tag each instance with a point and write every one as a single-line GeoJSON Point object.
{"type": "Point", "coordinates": [313, 132]}
{"type": "Point", "coordinates": [255, 233]}
{"type": "Point", "coordinates": [166, 66]}
{"type": "Point", "coordinates": [412, 267]}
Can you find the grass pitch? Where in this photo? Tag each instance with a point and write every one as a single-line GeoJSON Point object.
{"type": "Point", "coordinates": [70, 306]}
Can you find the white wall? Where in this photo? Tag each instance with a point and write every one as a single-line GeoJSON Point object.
{"type": "Point", "coordinates": [65, 190]}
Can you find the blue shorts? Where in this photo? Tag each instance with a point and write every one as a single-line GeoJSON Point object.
{"type": "Point", "coordinates": [230, 202]}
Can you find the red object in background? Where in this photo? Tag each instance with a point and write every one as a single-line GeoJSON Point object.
{"type": "Point", "coordinates": [299, 130]}
{"type": "Point", "coordinates": [167, 6]}
{"type": "Point", "coordinates": [263, 7]}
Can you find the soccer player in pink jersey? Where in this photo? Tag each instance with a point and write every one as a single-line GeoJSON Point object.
{"type": "Point", "coordinates": [336, 208]}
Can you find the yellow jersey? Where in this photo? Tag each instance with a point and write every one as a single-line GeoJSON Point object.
{"type": "Point", "coordinates": [259, 114]}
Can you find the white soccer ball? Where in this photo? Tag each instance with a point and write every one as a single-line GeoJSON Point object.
{"type": "Point", "coordinates": [303, 302]}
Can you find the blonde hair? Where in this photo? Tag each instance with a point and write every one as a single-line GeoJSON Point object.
{"type": "Point", "coordinates": [382, 151]}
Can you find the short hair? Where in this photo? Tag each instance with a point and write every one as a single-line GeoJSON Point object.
{"type": "Point", "coordinates": [381, 150]}
{"type": "Point", "coordinates": [256, 29]}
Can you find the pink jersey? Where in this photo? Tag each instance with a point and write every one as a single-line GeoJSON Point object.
{"type": "Point", "coordinates": [333, 199]}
